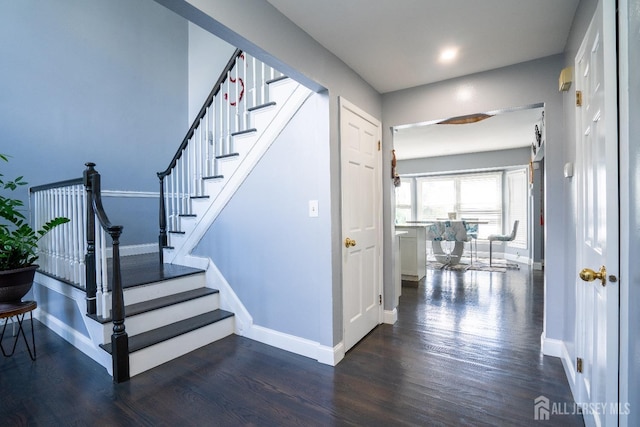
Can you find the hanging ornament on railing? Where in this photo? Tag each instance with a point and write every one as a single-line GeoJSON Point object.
{"type": "Point", "coordinates": [240, 81]}
{"type": "Point", "coordinates": [226, 95]}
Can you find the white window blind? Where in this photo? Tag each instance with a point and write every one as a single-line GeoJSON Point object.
{"type": "Point", "coordinates": [470, 196]}
{"type": "Point", "coordinates": [516, 202]}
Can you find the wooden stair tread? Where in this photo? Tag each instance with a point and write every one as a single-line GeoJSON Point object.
{"type": "Point", "coordinates": [261, 106]}
{"type": "Point", "coordinates": [166, 301]}
{"type": "Point", "coordinates": [138, 270]}
{"type": "Point", "coordinates": [155, 336]}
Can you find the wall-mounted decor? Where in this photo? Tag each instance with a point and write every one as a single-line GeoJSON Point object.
{"type": "Point", "coordinates": [394, 175]}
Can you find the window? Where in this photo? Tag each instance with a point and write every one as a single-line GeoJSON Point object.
{"type": "Point", "coordinates": [516, 203]}
{"type": "Point", "coordinates": [404, 196]}
{"type": "Point", "coordinates": [470, 196]}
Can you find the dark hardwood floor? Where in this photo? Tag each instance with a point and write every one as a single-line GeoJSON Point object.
{"type": "Point", "coordinates": [465, 351]}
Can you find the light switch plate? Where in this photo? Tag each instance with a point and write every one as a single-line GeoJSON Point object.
{"type": "Point", "coordinates": [313, 208]}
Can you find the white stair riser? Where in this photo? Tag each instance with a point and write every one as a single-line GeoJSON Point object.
{"type": "Point", "coordinates": [175, 239]}
{"type": "Point", "coordinates": [244, 143]}
{"type": "Point", "coordinates": [164, 316]}
{"type": "Point", "coordinates": [227, 166]}
{"type": "Point", "coordinates": [261, 118]}
{"type": "Point", "coordinates": [188, 223]}
{"type": "Point", "coordinates": [213, 186]}
{"type": "Point", "coordinates": [164, 288]}
{"type": "Point", "coordinates": [280, 90]}
{"type": "Point", "coordinates": [165, 351]}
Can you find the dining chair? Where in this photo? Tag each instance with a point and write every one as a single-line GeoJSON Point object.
{"type": "Point", "coordinates": [472, 235]}
{"type": "Point", "coordinates": [501, 238]}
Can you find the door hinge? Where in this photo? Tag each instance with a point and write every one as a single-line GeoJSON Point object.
{"type": "Point", "coordinates": [578, 98]}
{"type": "Point", "coordinates": [579, 365]}
{"type": "Point", "coordinates": [380, 299]}
{"type": "Point", "coordinates": [379, 146]}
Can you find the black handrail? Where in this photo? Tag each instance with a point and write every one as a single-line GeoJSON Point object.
{"type": "Point", "coordinates": [202, 113]}
{"type": "Point", "coordinates": [119, 338]}
{"type": "Point", "coordinates": [162, 238]}
{"type": "Point", "coordinates": [59, 184]}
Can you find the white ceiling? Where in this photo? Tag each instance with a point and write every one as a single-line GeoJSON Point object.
{"type": "Point", "coordinates": [396, 45]}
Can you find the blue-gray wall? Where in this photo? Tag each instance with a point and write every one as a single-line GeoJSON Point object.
{"type": "Point", "coordinates": [265, 244]}
{"type": "Point", "coordinates": [100, 80]}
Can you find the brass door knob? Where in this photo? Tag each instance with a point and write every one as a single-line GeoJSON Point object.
{"type": "Point", "coordinates": [588, 275]}
{"type": "Point", "coordinates": [349, 242]}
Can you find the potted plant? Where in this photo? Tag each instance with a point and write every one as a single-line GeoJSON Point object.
{"type": "Point", "coordinates": [18, 242]}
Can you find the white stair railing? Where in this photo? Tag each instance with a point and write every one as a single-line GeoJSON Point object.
{"type": "Point", "coordinates": [241, 88]}
{"type": "Point", "coordinates": [61, 252]}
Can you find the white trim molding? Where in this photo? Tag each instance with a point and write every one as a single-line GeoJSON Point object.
{"type": "Point", "coordinates": [131, 194]}
{"type": "Point", "coordinates": [551, 347]}
{"type": "Point", "coordinates": [391, 316]}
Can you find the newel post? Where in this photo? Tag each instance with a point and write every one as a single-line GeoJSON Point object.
{"type": "Point", "coordinates": [90, 256]}
{"type": "Point", "coordinates": [162, 238]}
{"type": "Point", "coordinates": [119, 338]}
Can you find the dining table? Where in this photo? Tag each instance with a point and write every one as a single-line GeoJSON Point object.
{"type": "Point", "coordinates": [453, 233]}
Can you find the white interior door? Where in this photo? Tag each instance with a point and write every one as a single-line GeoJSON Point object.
{"type": "Point", "coordinates": [361, 164]}
{"type": "Point", "coordinates": [597, 298]}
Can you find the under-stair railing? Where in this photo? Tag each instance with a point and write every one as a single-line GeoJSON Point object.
{"type": "Point", "coordinates": [241, 88]}
{"type": "Point", "coordinates": [61, 252]}
{"type": "Point", "coordinates": [95, 210]}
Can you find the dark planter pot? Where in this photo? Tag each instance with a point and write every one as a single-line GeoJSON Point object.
{"type": "Point", "coordinates": [14, 284]}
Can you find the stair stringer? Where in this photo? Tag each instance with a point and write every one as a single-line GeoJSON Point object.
{"type": "Point", "coordinates": [229, 300]}
{"type": "Point", "coordinates": [208, 214]}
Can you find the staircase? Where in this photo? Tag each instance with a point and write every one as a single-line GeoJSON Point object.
{"type": "Point", "coordinates": [169, 312]}
{"type": "Point", "coordinates": [190, 215]}
{"type": "Point", "coordinates": [158, 311]}
{"type": "Point", "coordinates": [177, 311]}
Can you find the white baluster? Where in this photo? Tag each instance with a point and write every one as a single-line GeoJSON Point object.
{"type": "Point", "coordinates": [207, 123]}
{"type": "Point", "coordinates": [83, 233]}
{"type": "Point", "coordinates": [219, 127]}
{"type": "Point", "coordinates": [254, 88]}
{"type": "Point", "coordinates": [245, 111]}
{"type": "Point", "coordinates": [227, 124]}
{"type": "Point", "coordinates": [68, 234]}
{"type": "Point", "coordinates": [263, 84]}
{"type": "Point", "coordinates": [236, 119]}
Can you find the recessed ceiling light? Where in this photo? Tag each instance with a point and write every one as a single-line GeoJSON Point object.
{"type": "Point", "coordinates": [449, 54]}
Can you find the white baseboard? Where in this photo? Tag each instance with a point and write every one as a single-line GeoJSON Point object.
{"type": "Point", "coordinates": [557, 348]}
{"type": "Point", "coordinates": [391, 316]}
{"type": "Point", "coordinates": [569, 371]}
{"type": "Point", "coordinates": [551, 347]}
{"type": "Point", "coordinates": [304, 347]}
